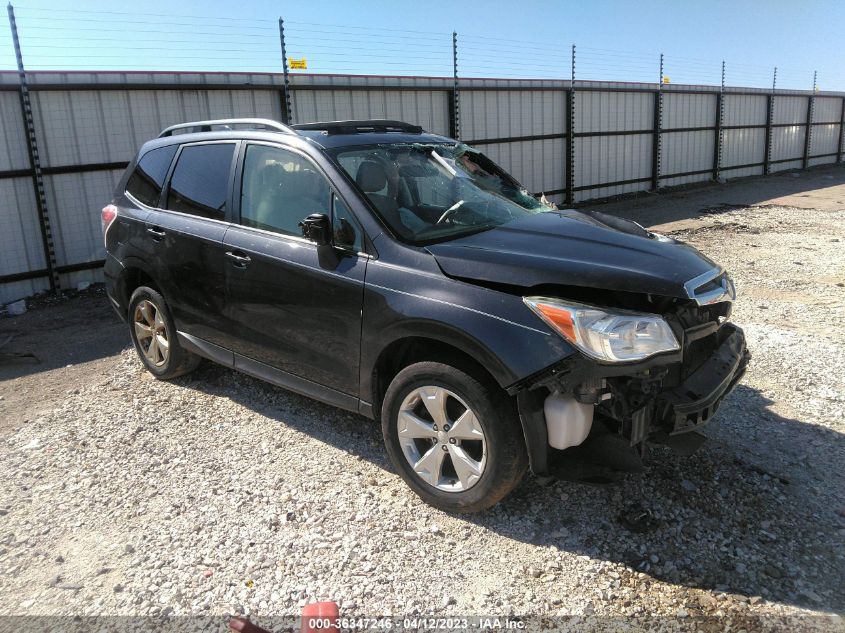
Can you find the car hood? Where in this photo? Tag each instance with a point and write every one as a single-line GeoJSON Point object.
{"type": "Point", "coordinates": [574, 248]}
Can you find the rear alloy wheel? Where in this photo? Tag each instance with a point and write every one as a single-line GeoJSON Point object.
{"type": "Point", "coordinates": [454, 438]}
{"type": "Point", "coordinates": [151, 332]}
{"type": "Point", "coordinates": [154, 334]}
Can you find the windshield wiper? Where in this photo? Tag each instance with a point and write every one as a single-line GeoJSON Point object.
{"type": "Point", "coordinates": [470, 230]}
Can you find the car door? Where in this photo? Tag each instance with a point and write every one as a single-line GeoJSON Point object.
{"type": "Point", "coordinates": [290, 310]}
{"type": "Point", "coordinates": [143, 194]}
{"type": "Point", "coordinates": [186, 237]}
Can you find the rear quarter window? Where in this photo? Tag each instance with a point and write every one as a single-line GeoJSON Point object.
{"type": "Point", "coordinates": [147, 178]}
{"type": "Point", "coordinates": [200, 182]}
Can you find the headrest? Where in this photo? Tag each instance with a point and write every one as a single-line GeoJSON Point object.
{"type": "Point", "coordinates": [268, 175]}
{"type": "Point", "coordinates": [305, 183]}
{"type": "Point", "coordinates": [371, 176]}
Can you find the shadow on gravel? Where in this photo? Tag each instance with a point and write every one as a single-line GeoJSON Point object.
{"type": "Point", "coordinates": [723, 520]}
{"type": "Point", "coordinates": [74, 328]}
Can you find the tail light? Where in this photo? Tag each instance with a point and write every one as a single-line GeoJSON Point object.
{"type": "Point", "coordinates": [107, 216]}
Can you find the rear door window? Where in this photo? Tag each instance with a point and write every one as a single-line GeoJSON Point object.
{"type": "Point", "coordinates": [200, 182]}
{"type": "Point", "coordinates": [147, 179]}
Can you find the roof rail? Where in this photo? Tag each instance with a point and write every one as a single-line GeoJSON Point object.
{"type": "Point", "coordinates": [358, 127]}
{"type": "Point", "coordinates": [205, 126]}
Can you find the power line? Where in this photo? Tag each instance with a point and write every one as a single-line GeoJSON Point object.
{"type": "Point", "coordinates": [247, 40]}
{"type": "Point", "coordinates": [51, 11]}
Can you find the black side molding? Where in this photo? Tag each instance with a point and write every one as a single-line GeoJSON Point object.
{"type": "Point", "coordinates": [206, 350]}
{"type": "Point", "coordinates": [296, 384]}
{"type": "Point", "coordinates": [272, 375]}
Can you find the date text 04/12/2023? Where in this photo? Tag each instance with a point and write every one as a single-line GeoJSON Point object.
{"type": "Point", "coordinates": [416, 624]}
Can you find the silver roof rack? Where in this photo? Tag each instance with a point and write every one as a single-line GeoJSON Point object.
{"type": "Point", "coordinates": [205, 126]}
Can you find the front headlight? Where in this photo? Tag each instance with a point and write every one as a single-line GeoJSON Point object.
{"type": "Point", "coordinates": [613, 336]}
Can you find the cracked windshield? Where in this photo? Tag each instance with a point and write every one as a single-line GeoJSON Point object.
{"type": "Point", "coordinates": [431, 193]}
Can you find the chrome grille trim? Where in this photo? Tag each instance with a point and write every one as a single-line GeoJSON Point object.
{"type": "Point", "coordinates": [724, 292]}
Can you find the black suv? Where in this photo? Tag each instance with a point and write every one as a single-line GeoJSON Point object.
{"type": "Point", "coordinates": [405, 276]}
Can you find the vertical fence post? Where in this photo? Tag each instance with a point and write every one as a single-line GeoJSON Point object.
{"type": "Point", "coordinates": [456, 95]}
{"type": "Point", "coordinates": [841, 130]}
{"type": "Point", "coordinates": [719, 139]}
{"type": "Point", "coordinates": [770, 115]}
{"type": "Point", "coordinates": [570, 135]}
{"type": "Point", "coordinates": [655, 145]}
{"type": "Point", "coordinates": [811, 102]}
{"type": "Point", "coordinates": [34, 160]}
{"type": "Point", "coordinates": [286, 112]}
{"type": "Point", "coordinates": [450, 93]}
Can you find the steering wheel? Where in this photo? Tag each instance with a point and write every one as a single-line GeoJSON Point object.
{"type": "Point", "coordinates": [449, 211]}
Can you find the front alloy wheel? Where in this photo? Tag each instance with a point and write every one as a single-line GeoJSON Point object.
{"type": "Point", "coordinates": [442, 439]}
{"type": "Point", "coordinates": [453, 436]}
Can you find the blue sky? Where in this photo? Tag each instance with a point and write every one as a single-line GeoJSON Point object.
{"type": "Point", "coordinates": [616, 40]}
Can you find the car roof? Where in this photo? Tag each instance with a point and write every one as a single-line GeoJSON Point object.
{"type": "Point", "coordinates": [330, 141]}
{"type": "Point", "coordinates": [327, 135]}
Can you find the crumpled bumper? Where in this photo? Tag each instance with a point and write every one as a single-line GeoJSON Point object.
{"type": "Point", "coordinates": [695, 401]}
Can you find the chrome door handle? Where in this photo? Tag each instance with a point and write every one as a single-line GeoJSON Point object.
{"type": "Point", "coordinates": [156, 232]}
{"type": "Point", "coordinates": [238, 259]}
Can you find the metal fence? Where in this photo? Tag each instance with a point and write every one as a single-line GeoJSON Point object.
{"type": "Point", "coordinates": [66, 137]}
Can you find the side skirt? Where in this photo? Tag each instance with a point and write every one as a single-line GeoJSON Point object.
{"type": "Point", "coordinates": [206, 350]}
{"type": "Point", "coordinates": [272, 375]}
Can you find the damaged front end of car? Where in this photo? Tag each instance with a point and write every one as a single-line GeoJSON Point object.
{"type": "Point", "coordinates": [644, 318]}
{"type": "Point", "coordinates": [649, 369]}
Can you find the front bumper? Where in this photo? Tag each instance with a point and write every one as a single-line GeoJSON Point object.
{"type": "Point", "coordinates": [642, 406]}
{"type": "Point", "coordinates": [695, 401]}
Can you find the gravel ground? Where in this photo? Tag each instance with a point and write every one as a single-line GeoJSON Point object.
{"type": "Point", "coordinates": [219, 494]}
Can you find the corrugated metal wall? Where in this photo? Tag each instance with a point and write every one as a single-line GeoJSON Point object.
{"type": "Point", "coordinates": [489, 115]}
{"type": "Point", "coordinates": [88, 125]}
{"type": "Point", "coordinates": [611, 158]}
{"type": "Point", "coordinates": [790, 113]}
{"type": "Point", "coordinates": [826, 132]}
{"type": "Point", "coordinates": [21, 248]}
{"type": "Point", "coordinates": [689, 152]}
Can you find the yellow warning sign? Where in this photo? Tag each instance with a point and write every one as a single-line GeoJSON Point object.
{"type": "Point", "coordinates": [298, 64]}
{"type": "Point", "coordinates": [666, 80]}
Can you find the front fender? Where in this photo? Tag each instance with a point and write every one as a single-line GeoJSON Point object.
{"type": "Point", "coordinates": [493, 327]}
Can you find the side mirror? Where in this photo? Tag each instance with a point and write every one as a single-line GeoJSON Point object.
{"type": "Point", "coordinates": [318, 228]}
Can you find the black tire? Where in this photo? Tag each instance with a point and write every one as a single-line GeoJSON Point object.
{"type": "Point", "coordinates": [506, 458]}
{"type": "Point", "coordinates": [178, 361]}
